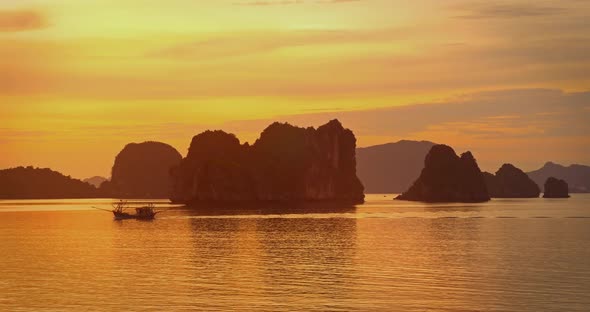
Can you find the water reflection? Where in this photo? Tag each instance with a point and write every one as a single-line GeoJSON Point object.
{"type": "Point", "coordinates": [273, 208]}
{"type": "Point", "coordinates": [364, 258]}
{"type": "Point", "coordinates": [296, 251]}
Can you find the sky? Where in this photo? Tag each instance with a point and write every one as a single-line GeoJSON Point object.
{"type": "Point", "coordinates": [507, 80]}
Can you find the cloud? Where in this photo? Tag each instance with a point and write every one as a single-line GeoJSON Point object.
{"type": "Point", "coordinates": [555, 111]}
{"type": "Point", "coordinates": [245, 43]}
{"type": "Point", "coordinates": [254, 69]}
{"type": "Point", "coordinates": [278, 64]}
{"type": "Point", "coordinates": [491, 10]}
{"type": "Point", "coordinates": [501, 126]}
{"type": "Point", "coordinates": [337, 1]}
{"type": "Point", "coordinates": [291, 2]}
{"type": "Point", "coordinates": [22, 20]}
{"type": "Point", "coordinates": [267, 3]}
{"type": "Point", "coordinates": [351, 62]}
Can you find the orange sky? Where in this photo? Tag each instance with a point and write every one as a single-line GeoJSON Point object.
{"type": "Point", "coordinates": [80, 79]}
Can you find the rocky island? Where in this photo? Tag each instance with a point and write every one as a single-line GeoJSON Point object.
{"type": "Point", "coordinates": [286, 163]}
{"type": "Point", "coordinates": [42, 183]}
{"type": "Point", "coordinates": [447, 177]}
{"type": "Point", "coordinates": [511, 182]}
{"type": "Point", "coordinates": [576, 176]}
{"type": "Point", "coordinates": [142, 170]}
{"type": "Point", "coordinates": [556, 188]}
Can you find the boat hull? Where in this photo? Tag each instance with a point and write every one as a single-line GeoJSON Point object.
{"type": "Point", "coordinates": [127, 216]}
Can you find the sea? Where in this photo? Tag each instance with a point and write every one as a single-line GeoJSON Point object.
{"type": "Point", "coordinates": [384, 255]}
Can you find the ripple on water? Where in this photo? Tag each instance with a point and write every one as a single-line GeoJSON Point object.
{"type": "Point", "coordinates": [376, 257]}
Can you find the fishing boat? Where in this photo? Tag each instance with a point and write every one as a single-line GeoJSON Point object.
{"type": "Point", "coordinates": [141, 213]}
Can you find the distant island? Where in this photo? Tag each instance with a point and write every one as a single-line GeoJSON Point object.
{"type": "Point", "coordinates": [577, 176]}
{"type": "Point", "coordinates": [447, 177]}
{"type": "Point", "coordinates": [391, 168]}
{"type": "Point", "coordinates": [95, 181]}
{"type": "Point", "coordinates": [42, 183]}
{"type": "Point", "coordinates": [511, 182]}
{"type": "Point", "coordinates": [286, 163]}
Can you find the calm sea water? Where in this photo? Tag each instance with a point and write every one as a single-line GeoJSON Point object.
{"type": "Point", "coordinates": [506, 255]}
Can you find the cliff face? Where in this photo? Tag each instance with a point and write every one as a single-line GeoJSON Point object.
{"type": "Point", "coordinates": [37, 183]}
{"type": "Point", "coordinates": [142, 171]}
{"type": "Point", "coordinates": [392, 167]}
{"type": "Point", "coordinates": [286, 163]}
{"type": "Point", "coordinates": [555, 188]}
{"type": "Point", "coordinates": [447, 177]}
{"type": "Point", "coordinates": [511, 182]}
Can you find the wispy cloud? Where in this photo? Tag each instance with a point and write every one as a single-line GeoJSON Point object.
{"type": "Point", "coordinates": [245, 43]}
{"type": "Point", "coordinates": [519, 107]}
{"type": "Point", "coordinates": [494, 10]}
{"type": "Point", "coordinates": [501, 126]}
{"type": "Point", "coordinates": [291, 2]}
{"type": "Point", "coordinates": [337, 1]}
{"type": "Point", "coordinates": [22, 20]}
{"type": "Point", "coordinates": [267, 3]}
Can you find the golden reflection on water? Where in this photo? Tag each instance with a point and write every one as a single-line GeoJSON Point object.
{"type": "Point", "coordinates": [380, 256]}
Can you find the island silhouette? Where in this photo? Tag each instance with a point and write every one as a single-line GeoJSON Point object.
{"type": "Point", "coordinates": [142, 170]}
{"type": "Point", "coordinates": [294, 164]}
{"type": "Point", "coordinates": [447, 177]}
{"type": "Point", "coordinates": [511, 182]}
{"type": "Point", "coordinates": [556, 188]}
{"type": "Point", "coordinates": [42, 183]}
{"type": "Point", "coordinates": [286, 163]}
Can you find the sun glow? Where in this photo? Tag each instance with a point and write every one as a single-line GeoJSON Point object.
{"type": "Point", "coordinates": [104, 73]}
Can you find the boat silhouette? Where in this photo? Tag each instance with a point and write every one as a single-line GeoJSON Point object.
{"type": "Point", "coordinates": [120, 209]}
{"type": "Point", "coordinates": [141, 213]}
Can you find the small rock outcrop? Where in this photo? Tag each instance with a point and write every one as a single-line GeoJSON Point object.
{"type": "Point", "coordinates": [286, 163]}
{"type": "Point", "coordinates": [447, 177]}
{"type": "Point", "coordinates": [511, 182]}
{"type": "Point", "coordinates": [556, 188]}
{"type": "Point", "coordinates": [38, 183]}
{"type": "Point", "coordinates": [142, 170]}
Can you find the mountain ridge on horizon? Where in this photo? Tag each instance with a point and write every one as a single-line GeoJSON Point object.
{"type": "Point", "coordinates": [379, 172]}
{"type": "Point", "coordinates": [391, 167]}
{"type": "Point", "coordinates": [576, 175]}
{"type": "Point", "coordinates": [96, 181]}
